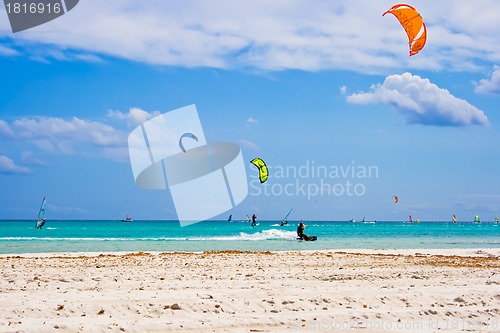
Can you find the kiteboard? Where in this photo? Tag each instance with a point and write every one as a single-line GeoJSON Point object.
{"type": "Point", "coordinates": [309, 239]}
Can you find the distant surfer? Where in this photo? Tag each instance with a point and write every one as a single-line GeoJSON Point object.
{"type": "Point", "coordinates": [285, 219]}
{"type": "Point", "coordinates": [41, 215]}
{"type": "Point", "coordinates": [40, 224]}
{"type": "Point", "coordinates": [254, 220]}
{"type": "Point", "coordinates": [496, 219]}
{"type": "Point", "coordinates": [300, 232]}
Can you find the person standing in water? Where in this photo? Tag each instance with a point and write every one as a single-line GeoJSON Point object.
{"type": "Point", "coordinates": [300, 232]}
{"type": "Point", "coordinates": [254, 220]}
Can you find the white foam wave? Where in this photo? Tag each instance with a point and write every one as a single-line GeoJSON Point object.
{"type": "Point", "coordinates": [263, 235]}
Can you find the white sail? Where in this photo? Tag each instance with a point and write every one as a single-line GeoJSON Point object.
{"type": "Point", "coordinates": [285, 219]}
{"type": "Point", "coordinates": [41, 215]}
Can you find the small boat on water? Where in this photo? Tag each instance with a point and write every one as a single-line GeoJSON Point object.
{"type": "Point", "coordinates": [127, 219]}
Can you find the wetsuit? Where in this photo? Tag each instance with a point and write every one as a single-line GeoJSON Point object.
{"type": "Point", "coordinates": [300, 232]}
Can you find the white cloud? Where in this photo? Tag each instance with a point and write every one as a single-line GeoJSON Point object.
{"type": "Point", "coordinates": [7, 166]}
{"type": "Point", "coordinates": [56, 134]}
{"type": "Point", "coordinates": [343, 90]}
{"type": "Point", "coordinates": [134, 117]}
{"type": "Point", "coordinates": [5, 129]}
{"type": "Point", "coordinates": [252, 121]}
{"type": "Point", "coordinates": [7, 51]}
{"type": "Point", "coordinates": [491, 86]}
{"type": "Point", "coordinates": [249, 144]}
{"type": "Point", "coordinates": [28, 158]}
{"type": "Point", "coordinates": [421, 102]}
{"type": "Point", "coordinates": [276, 35]}
{"type": "Point", "coordinates": [88, 58]}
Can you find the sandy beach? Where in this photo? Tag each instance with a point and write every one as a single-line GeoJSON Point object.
{"type": "Point", "coordinates": [306, 291]}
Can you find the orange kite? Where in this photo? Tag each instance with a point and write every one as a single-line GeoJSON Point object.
{"type": "Point", "coordinates": [413, 24]}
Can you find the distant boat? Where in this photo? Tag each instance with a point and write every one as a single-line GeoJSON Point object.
{"type": "Point", "coordinates": [127, 219]}
{"type": "Point", "coordinates": [41, 215]}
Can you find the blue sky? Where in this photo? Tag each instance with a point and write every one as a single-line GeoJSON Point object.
{"type": "Point", "coordinates": [298, 83]}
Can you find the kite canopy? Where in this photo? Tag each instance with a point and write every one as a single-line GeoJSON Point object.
{"type": "Point", "coordinates": [413, 24]}
{"type": "Point", "coordinates": [263, 171]}
{"type": "Point", "coordinates": [396, 199]}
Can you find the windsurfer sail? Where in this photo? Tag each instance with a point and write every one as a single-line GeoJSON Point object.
{"type": "Point", "coordinates": [285, 219]}
{"type": "Point", "coordinates": [230, 218]}
{"type": "Point", "coordinates": [410, 218]}
{"type": "Point", "coordinates": [454, 219]}
{"type": "Point", "coordinates": [41, 215]}
{"type": "Point", "coordinates": [476, 219]}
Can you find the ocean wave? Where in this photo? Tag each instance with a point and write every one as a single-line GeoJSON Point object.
{"type": "Point", "coordinates": [69, 239]}
{"type": "Point", "coordinates": [271, 234]}
{"type": "Point", "coordinates": [263, 235]}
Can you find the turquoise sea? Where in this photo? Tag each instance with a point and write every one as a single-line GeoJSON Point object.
{"type": "Point", "coordinates": [20, 236]}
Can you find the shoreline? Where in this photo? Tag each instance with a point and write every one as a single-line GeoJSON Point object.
{"type": "Point", "coordinates": [462, 252]}
{"type": "Point", "coordinates": [238, 291]}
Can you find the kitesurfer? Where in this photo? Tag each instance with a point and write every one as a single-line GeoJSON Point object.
{"type": "Point", "coordinates": [300, 232]}
{"type": "Point", "coordinates": [254, 220]}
